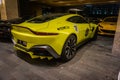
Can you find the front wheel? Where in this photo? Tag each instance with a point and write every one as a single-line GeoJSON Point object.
{"type": "Point", "coordinates": [69, 48]}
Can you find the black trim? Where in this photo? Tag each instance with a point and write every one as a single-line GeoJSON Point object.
{"type": "Point", "coordinates": [83, 42]}
{"type": "Point", "coordinates": [45, 47]}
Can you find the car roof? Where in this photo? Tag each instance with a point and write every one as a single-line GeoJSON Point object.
{"type": "Point", "coordinates": [58, 14]}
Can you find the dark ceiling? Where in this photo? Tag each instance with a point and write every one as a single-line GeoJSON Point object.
{"type": "Point", "coordinates": [75, 2]}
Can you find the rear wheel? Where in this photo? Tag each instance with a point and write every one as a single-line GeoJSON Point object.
{"type": "Point", "coordinates": [69, 48]}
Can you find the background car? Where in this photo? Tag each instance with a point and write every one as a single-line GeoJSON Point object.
{"type": "Point", "coordinates": [107, 26]}
{"type": "Point", "coordinates": [5, 29]}
{"type": "Point", "coordinates": [53, 35]}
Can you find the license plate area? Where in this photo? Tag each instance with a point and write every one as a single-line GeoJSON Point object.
{"type": "Point", "coordinates": [23, 43]}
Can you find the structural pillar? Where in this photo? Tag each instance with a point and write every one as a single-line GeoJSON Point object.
{"type": "Point", "coordinates": [116, 44]}
{"type": "Point", "coordinates": [9, 9]}
{"type": "Point", "coordinates": [3, 10]}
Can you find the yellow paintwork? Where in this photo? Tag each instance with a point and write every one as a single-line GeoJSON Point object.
{"type": "Point", "coordinates": [109, 26]}
{"type": "Point", "coordinates": [54, 41]}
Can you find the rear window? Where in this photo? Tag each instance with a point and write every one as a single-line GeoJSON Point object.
{"type": "Point", "coordinates": [45, 18]}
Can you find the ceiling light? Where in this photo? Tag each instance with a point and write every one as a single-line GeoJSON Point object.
{"type": "Point", "coordinates": [60, 2]}
{"type": "Point", "coordinates": [112, 1]}
{"type": "Point", "coordinates": [87, 3]}
{"type": "Point", "coordinates": [68, 4]}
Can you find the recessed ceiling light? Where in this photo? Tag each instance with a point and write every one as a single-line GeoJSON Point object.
{"type": "Point", "coordinates": [68, 4]}
{"type": "Point", "coordinates": [60, 2]}
{"type": "Point", "coordinates": [112, 1]}
{"type": "Point", "coordinates": [87, 3]}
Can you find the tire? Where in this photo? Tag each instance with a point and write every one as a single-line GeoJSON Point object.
{"type": "Point", "coordinates": [95, 35]}
{"type": "Point", "coordinates": [69, 48]}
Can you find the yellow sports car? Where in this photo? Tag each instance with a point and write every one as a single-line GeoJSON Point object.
{"type": "Point", "coordinates": [107, 26]}
{"type": "Point", "coordinates": [53, 35]}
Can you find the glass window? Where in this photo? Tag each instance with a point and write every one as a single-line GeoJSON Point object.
{"type": "Point", "coordinates": [45, 18]}
{"type": "Point", "coordinates": [77, 19]}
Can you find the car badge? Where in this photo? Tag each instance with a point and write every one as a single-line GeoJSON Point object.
{"type": "Point", "coordinates": [76, 28]}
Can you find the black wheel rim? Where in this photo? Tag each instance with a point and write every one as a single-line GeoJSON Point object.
{"type": "Point", "coordinates": [70, 47]}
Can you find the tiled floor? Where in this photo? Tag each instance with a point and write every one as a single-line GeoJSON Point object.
{"type": "Point", "coordinates": [93, 61]}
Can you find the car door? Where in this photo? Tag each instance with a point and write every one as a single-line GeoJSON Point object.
{"type": "Point", "coordinates": [81, 27]}
{"type": "Point", "coordinates": [84, 28]}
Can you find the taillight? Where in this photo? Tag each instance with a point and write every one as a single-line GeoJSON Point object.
{"type": "Point", "coordinates": [39, 33]}
{"type": "Point", "coordinates": [44, 33]}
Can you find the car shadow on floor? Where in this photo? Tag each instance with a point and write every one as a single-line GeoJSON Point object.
{"type": "Point", "coordinates": [109, 36]}
{"type": "Point", "coordinates": [50, 63]}
{"type": "Point", "coordinates": [39, 62]}
{"type": "Point", "coordinates": [5, 40]}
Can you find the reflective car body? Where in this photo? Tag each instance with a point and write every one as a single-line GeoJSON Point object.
{"type": "Point", "coordinates": [107, 26]}
{"type": "Point", "coordinates": [51, 35]}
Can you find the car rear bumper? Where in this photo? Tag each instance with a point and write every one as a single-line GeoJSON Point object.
{"type": "Point", "coordinates": [39, 50]}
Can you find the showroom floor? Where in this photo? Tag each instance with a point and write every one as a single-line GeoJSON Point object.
{"type": "Point", "coordinates": [94, 61]}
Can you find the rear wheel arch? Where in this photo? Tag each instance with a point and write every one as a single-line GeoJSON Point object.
{"type": "Point", "coordinates": [74, 35]}
{"type": "Point", "coordinates": [69, 36]}
{"type": "Point", "coordinates": [73, 47]}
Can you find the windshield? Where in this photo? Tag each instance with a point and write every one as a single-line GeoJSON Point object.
{"type": "Point", "coordinates": [110, 20]}
{"type": "Point", "coordinates": [45, 18]}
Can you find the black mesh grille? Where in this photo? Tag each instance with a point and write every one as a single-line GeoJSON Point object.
{"type": "Point", "coordinates": [40, 52]}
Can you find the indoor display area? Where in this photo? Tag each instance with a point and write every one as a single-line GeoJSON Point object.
{"type": "Point", "coordinates": [59, 39]}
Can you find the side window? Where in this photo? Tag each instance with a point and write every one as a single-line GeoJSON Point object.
{"type": "Point", "coordinates": [76, 19]}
